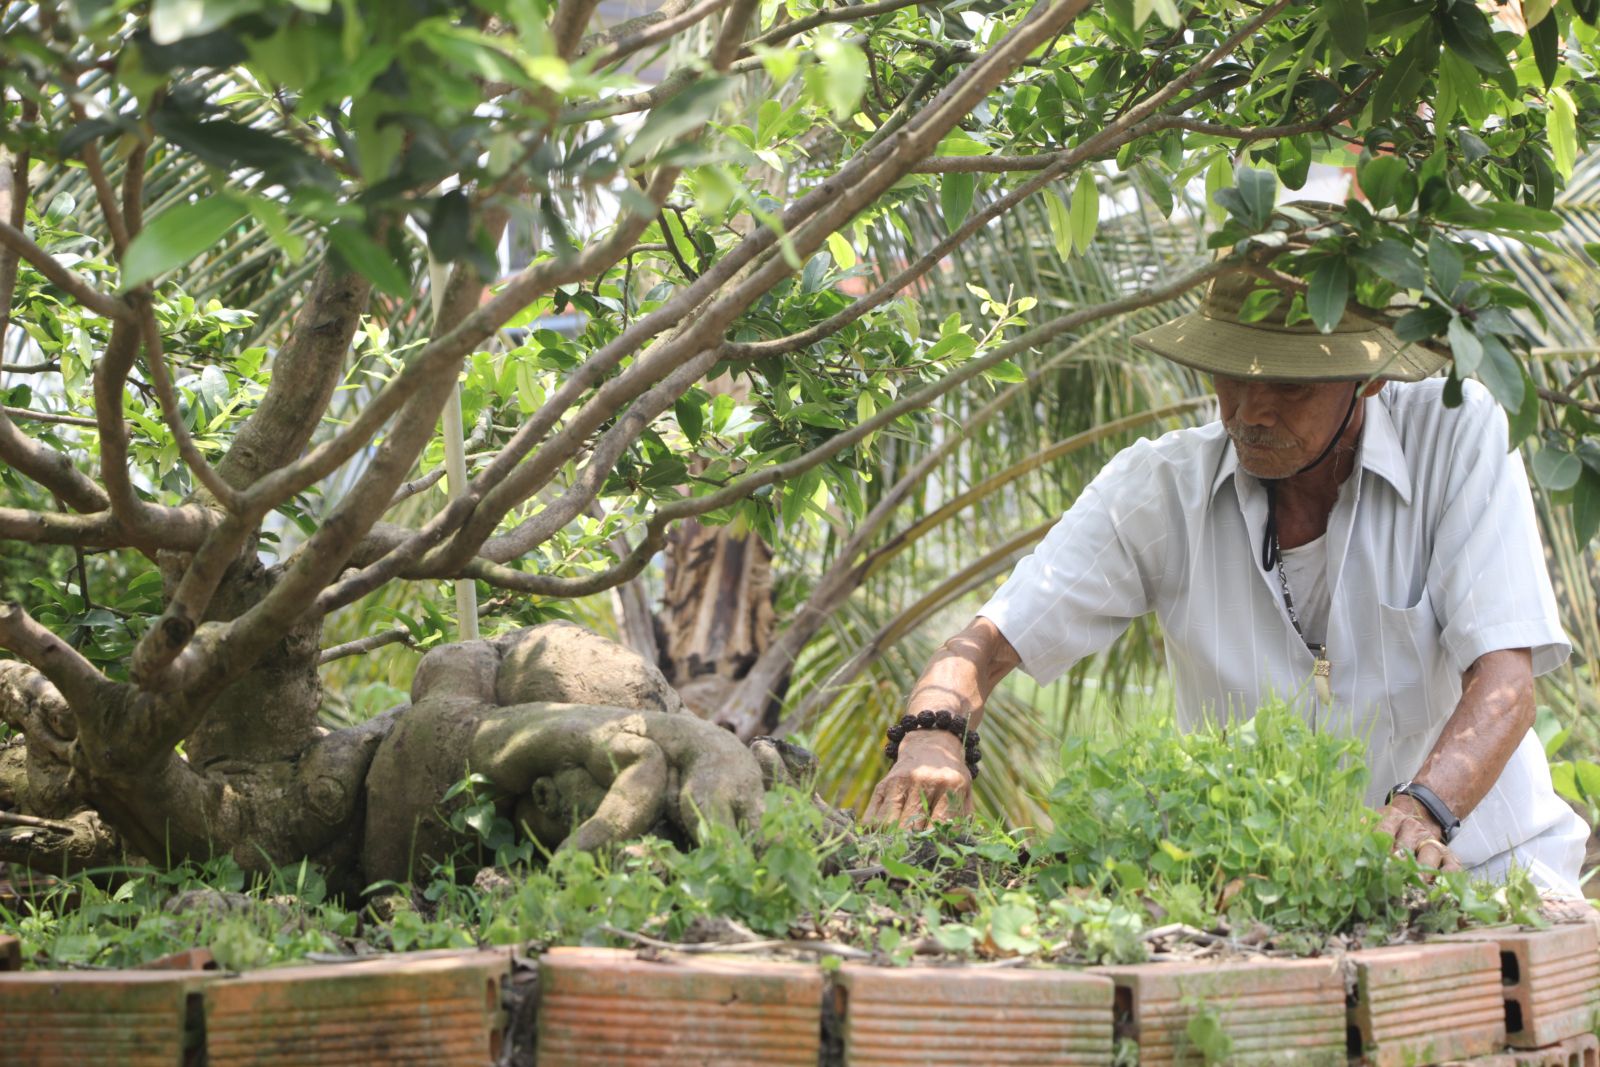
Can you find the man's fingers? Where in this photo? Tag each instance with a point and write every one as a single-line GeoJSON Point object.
{"type": "Point", "coordinates": [1431, 853]}
{"type": "Point", "coordinates": [884, 807]}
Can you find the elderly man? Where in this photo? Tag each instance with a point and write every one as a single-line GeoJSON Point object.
{"type": "Point", "coordinates": [1340, 538]}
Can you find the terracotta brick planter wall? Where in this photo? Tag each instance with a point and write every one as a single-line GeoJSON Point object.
{"type": "Point", "coordinates": [76, 1018]}
{"type": "Point", "coordinates": [1442, 1004]}
{"type": "Point", "coordinates": [1277, 1012]}
{"type": "Point", "coordinates": [1551, 981]}
{"type": "Point", "coordinates": [600, 1007]}
{"type": "Point", "coordinates": [1426, 1004]}
{"type": "Point", "coordinates": [395, 1010]}
{"type": "Point", "coordinates": [1014, 1017]}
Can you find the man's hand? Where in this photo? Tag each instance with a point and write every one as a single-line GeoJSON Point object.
{"type": "Point", "coordinates": [929, 782]}
{"type": "Point", "coordinates": [1414, 831]}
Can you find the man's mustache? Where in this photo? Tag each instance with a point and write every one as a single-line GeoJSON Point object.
{"type": "Point", "coordinates": [1258, 436]}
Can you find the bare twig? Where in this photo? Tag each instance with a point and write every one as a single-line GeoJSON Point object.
{"type": "Point", "coordinates": [16, 818]}
{"type": "Point", "coordinates": [53, 417]}
{"type": "Point", "coordinates": [664, 25]}
{"type": "Point", "coordinates": [397, 636]}
{"type": "Point", "coordinates": [78, 680]}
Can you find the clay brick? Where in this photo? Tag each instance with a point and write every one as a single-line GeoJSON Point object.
{"type": "Point", "coordinates": [190, 959]}
{"type": "Point", "coordinates": [1426, 1003]}
{"type": "Point", "coordinates": [608, 1008]}
{"type": "Point", "coordinates": [943, 1014]}
{"type": "Point", "coordinates": [1277, 1012]}
{"type": "Point", "coordinates": [438, 1010]}
{"type": "Point", "coordinates": [73, 1018]}
{"type": "Point", "coordinates": [1580, 1051]}
{"type": "Point", "coordinates": [10, 953]}
{"type": "Point", "coordinates": [1551, 981]}
{"type": "Point", "coordinates": [1499, 1059]}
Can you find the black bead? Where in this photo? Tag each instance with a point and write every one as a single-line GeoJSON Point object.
{"type": "Point", "coordinates": [927, 720]}
{"type": "Point", "coordinates": [974, 756]}
{"type": "Point", "coordinates": [908, 721]}
{"type": "Point", "coordinates": [896, 732]}
{"type": "Point", "coordinates": [941, 719]}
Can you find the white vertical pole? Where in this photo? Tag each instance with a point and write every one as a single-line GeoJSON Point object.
{"type": "Point", "coordinates": [455, 458]}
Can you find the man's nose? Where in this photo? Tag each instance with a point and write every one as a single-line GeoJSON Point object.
{"type": "Point", "coordinates": [1256, 407]}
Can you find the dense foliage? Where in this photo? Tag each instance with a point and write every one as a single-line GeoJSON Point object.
{"type": "Point", "coordinates": [1252, 834]}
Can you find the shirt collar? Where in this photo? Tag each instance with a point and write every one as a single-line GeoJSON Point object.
{"type": "Point", "coordinates": [1379, 451]}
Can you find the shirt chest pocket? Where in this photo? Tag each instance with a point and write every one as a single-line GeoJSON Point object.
{"type": "Point", "coordinates": [1413, 673]}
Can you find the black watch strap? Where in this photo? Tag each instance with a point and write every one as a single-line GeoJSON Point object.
{"type": "Point", "coordinates": [1430, 800]}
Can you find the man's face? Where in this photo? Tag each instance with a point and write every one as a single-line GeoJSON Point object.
{"type": "Point", "coordinates": [1279, 427]}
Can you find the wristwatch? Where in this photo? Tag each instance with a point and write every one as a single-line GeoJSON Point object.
{"type": "Point", "coordinates": [1448, 823]}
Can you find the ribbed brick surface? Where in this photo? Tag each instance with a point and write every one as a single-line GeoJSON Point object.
{"type": "Point", "coordinates": [1278, 1013]}
{"type": "Point", "coordinates": [438, 1011]}
{"type": "Point", "coordinates": [1551, 981]}
{"type": "Point", "coordinates": [895, 1016]}
{"type": "Point", "coordinates": [607, 1008]}
{"type": "Point", "coordinates": [1427, 1003]}
{"type": "Point", "coordinates": [75, 1019]}
{"type": "Point", "coordinates": [1580, 1051]}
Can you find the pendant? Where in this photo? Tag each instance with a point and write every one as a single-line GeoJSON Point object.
{"type": "Point", "coordinates": [1322, 671]}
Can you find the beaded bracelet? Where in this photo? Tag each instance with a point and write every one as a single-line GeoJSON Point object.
{"type": "Point", "coordinates": [944, 719]}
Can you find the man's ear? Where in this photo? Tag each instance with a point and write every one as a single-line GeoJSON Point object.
{"type": "Point", "coordinates": [1373, 388]}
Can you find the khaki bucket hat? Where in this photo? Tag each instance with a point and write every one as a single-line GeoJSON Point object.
{"type": "Point", "coordinates": [1212, 339]}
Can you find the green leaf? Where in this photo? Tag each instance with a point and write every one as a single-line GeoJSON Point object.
{"type": "Point", "coordinates": [840, 76]}
{"type": "Point", "coordinates": [174, 20]}
{"type": "Point", "coordinates": [839, 247]}
{"type": "Point", "coordinates": [365, 256]}
{"type": "Point", "coordinates": [276, 223]}
{"type": "Point", "coordinates": [1524, 423]}
{"type": "Point", "coordinates": [1586, 507]}
{"type": "Point", "coordinates": [1259, 304]}
{"type": "Point", "coordinates": [1556, 468]}
{"type": "Point", "coordinates": [450, 227]}
{"type": "Point", "coordinates": [1393, 261]}
{"type": "Point", "coordinates": [1085, 212]}
{"type": "Point", "coordinates": [1329, 291]}
{"type": "Point", "coordinates": [691, 416]}
{"type": "Point", "coordinates": [1444, 260]}
{"type": "Point", "coordinates": [1545, 36]}
{"type": "Point", "coordinates": [1467, 33]}
{"type": "Point", "coordinates": [955, 197]}
{"type": "Point", "coordinates": [1501, 372]}
{"type": "Point", "coordinates": [1380, 178]}
{"type": "Point", "coordinates": [1060, 223]}
{"type": "Point", "coordinates": [1403, 77]}
{"type": "Point", "coordinates": [177, 236]}
{"type": "Point", "coordinates": [1347, 22]}
{"type": "Point", "coordinates": [1562, 129]}
{"type": "Point", "coordinates": [683, 114]}
{"type": "Point", "coordinates": [1465, 346]}
{"type": "Point", "coordinates": [1006, 371]}
{"type": "Point", "coordinates": [1258, 188]}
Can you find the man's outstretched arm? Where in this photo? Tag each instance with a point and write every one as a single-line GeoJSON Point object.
{"type": "Point", "coordinates": [930, 779]}
{"type": "Point", "coordinates": [1495, 711]}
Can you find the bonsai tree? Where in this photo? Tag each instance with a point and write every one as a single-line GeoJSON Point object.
{"type": "Point", "coordinates": [398, 202]}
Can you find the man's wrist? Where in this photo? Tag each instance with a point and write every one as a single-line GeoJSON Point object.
{"type": "Point", "coordinates": [1416, 810]}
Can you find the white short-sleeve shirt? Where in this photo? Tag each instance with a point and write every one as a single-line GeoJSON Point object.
{"type": "Point", "coordinates": [1433, 559]}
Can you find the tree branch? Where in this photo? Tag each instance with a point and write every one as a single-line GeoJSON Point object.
{"type": "Point", "coordinates": [14, 206]}
{"type": "Point", "coordinates": [167, 395]}
{"type": "Point", "coordinates": [655, 528]}
{"type": "Point", "coordinates": [53, 417]}
{"type": "Point", "coordinates": [847, 13]}
{"type": "Point", "coordinates": [397, 636]}
{"type": "Point", "coordinates": [49, 468]}
{"type": "Point", "coordinates": [77, 679]}
{"type": "Point", "coordinates": [646, 31]}
{"type": "Point", "coordinates": [100, 303]}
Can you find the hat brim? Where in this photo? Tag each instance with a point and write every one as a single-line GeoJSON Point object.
{"type": "Point", "coordinates": [1239, 350]}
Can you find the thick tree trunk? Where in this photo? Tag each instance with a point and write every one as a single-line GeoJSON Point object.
{"type": "Point", "coordinates": [716, 614]}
